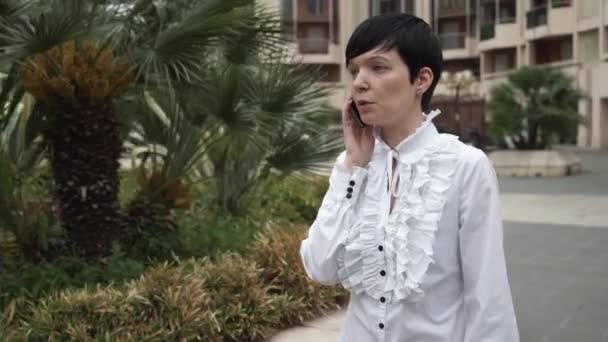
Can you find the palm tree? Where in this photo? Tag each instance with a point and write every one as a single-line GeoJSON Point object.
{"type": "Point", "coordinates": [241, 126]}
{"type": "Point", "coordinates": [78, 56]}
{"type": "Point", "coordinates": [199, 88]}
{"type": "Point", "coordinates": [534, 105]}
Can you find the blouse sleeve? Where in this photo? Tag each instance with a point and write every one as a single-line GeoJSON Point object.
{"type": "Point", "coordinates": [489, 312]}
{"type": "Point", "coordinates": [319, 250]}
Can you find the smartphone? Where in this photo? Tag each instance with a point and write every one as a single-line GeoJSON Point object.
{"type": "Point", "coordinates": [354, 111]}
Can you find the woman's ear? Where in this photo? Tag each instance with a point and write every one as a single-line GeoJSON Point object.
{"type": "Point", "coordinates": [424, 80]}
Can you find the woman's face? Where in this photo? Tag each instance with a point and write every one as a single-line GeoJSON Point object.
{"type": "Point", "coordinates": [382, 89]}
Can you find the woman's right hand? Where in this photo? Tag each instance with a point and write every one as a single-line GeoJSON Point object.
{"type": "Point", "coordinates": [359, 142]}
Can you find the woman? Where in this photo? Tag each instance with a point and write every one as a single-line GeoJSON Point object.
{"type": "Point", "coordinates": [411, 222]}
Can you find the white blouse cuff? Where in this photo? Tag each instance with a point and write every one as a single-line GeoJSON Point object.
{"type": "Point", "coordinates": [346, 184]}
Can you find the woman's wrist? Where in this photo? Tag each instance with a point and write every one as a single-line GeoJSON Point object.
{"type": "Point", "coordinates": [351, 162]}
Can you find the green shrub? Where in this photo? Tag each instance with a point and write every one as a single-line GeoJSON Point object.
{"type": "Point", "coordinates": [291, 200]}
{"type": "Point", "coordinates": [32, 281]}
{"type": "Point", "coordinates": [232, 298]}
{"type": "Point", "coordinates": [245, 307]}
{"type": "Point", "coordinates": [259, 286]}
{"type": "Point", "coordinates": [196, 300]}
{"type": "Point", "coordinates": [167, 303]}
{"type": "Point", "coordinates": [277, 253]}
{"type": "Point", "coordinates": [205, 232]}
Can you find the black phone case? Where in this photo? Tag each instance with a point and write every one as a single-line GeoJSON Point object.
{"type": "Point", "coordinates": [356, 115]}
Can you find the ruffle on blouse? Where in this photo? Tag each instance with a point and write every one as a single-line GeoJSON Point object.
{"type": "Point", "coordinates": [425, 175]}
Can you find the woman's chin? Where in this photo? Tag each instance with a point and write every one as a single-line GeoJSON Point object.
{"type": "Point", "coordinates": [369, 119]}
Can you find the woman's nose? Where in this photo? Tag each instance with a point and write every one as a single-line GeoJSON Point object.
{"type": "Point", "coordinates": [360, 83]}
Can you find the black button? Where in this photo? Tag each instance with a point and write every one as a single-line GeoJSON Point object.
{"type": "Point", "coordinates": [380, 248]}
{"type": "Point", "coordinates": [349, 196]}
{"type": "Point", "coordinates": [352, 183]}
{"type": "Point", "coordinates": [349, 190]}
{"type": "Point", "coordinates": [382, 273]}
{"type": "Point", "coordinates": [381, 325]}
{"type": "Point", "coordinates": [382, 299]}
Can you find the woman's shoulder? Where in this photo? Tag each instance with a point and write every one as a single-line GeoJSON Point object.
{"type": "Point", "coordinates": [467, 155]}
{"type": "Point", "coordinates": [470, 161]}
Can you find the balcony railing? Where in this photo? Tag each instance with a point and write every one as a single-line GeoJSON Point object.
{"type": "Point", "coordinates": [536, 17]}
{"type": "Point", "coordinates": [313, 18]}
{"type": "Point", "coordinates": [313, 45]}
{"type": "Point", "coordinates": [456, 40]}
{"type": "Point", "coordinates": [561, 3]}
{"type": "Point", "coordinates": [453, 8]}
{"type": "Point", "coordinates": [506, 19]}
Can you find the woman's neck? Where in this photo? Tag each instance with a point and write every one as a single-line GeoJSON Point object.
{"type": "Point", "coordinates": [395, 134]}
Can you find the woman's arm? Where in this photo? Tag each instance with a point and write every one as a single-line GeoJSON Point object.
{"type": "Point", "coordinates": [489, 313]}
{"type": "Point", "coordinates": [328, 231]}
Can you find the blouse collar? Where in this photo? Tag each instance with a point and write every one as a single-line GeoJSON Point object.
{"type": "Point", "coordinates": [423, 134]}
{"type": "Point", "coordinates": [408, 150]}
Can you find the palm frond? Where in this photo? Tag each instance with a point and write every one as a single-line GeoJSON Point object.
{"type": "Point", "coordinates": [11, 9]}
{"type": "Point", "coordinates": [176, 52]}
{"type": "Point", "coordinates": [162, 130]}
{"type": "Point", "coordinates": [210, 30]}
{"type": "Point", "coordinates": [43, 29]}
{"type": "Point", "coordinates": [305, 154]}
{"type": "Point", "coordinates": [19, 138]}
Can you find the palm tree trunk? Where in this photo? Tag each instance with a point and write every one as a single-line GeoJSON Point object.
{"type": "Point", "coordinates": [533, 136]}
{"type": "Point", "coordinates": [84, 148]}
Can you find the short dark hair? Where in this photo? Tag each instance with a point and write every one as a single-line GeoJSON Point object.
{"type": "Point", "coordinates": [413, 38]}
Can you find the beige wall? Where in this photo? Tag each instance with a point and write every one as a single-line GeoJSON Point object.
{"type": "Point", "coordinates": [560, 21]}
{"type": "Point", "coordinates": [587, 9]}
{"type": "Point", "coordinates": [588, 46]}
{"type": "Point", "coordinates": [506, 35]}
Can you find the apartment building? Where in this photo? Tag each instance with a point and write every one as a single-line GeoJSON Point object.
{"type": "Point", "coordinates": [488, 37]}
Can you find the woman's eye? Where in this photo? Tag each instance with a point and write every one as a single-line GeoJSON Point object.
{"type": "Point", "coordinates": [379, 68]}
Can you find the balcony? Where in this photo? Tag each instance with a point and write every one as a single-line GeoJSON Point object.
{"type": "Point", "coordinates": [550, 19]}
{"type": "Point", "coordinates": [313, 45]}
{"type": "Point", "coordinates": [552, 50]}
{"type": "Point", "coordinates": [536, 17]}
{"type": "Point", "coordinates": [450, 41]}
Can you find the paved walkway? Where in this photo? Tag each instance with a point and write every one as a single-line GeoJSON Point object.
{"type": "Point", "coordinates": [556, 241]}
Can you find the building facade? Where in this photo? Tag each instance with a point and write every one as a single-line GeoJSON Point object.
{"type": "Point", "coordinates": [488, 37]}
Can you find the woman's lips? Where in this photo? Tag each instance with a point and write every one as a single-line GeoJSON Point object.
{"type": "Point", "coordinates": [364, 106]}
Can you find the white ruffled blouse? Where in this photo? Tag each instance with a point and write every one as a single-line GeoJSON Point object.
{"type": "Point", "coordinates": [433, 267]}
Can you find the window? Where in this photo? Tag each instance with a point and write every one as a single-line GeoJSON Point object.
{"type": "Point", "coordinates": [377, 7]}
{"type": "Point", "coordinates": [287, 9]}
{"type": "Point", "coordinates": [287, 23]}
{"type": "Point", "coordinates": [553, 50]}
{"type": "Point", "coordinates": [313, 39]}
{"type": "Point", "coordinates": [315, 6]}
{"type": "Point", "coordinates": [451, 34]}
{"type": "Point", "coordinates": [329, 72]}
{"type": "Point", "coordinates": [409, 6]}
{"type": "Point", "coordinates": [506, 12]}
{"type": "Point", "coordinates": [336, 22]}
{"type": "Point", "coordinates": [501, 60]}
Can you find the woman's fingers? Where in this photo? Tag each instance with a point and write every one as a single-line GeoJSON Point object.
{"type": "Point", "coordinates": [346, 116]}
